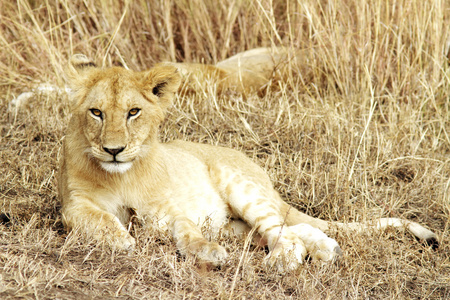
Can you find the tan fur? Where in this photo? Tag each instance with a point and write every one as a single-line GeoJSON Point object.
{"type": "Point", "coordinates": [180, 185]}
{"type": "Point", "coordinates": [245, 72]}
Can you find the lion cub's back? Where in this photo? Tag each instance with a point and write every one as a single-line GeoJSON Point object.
{"type": "Point", "coordinates": [216, 157]}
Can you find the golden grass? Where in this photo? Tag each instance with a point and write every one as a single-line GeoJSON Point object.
{"type": "Point", "coordinates": [360, 130]}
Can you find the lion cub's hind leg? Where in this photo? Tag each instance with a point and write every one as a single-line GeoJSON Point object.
{"type": "Point", "coordinates": [256, 203]}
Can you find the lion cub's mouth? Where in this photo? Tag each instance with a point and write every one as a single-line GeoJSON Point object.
{"type": "Point", "coordinates": [116, 166]}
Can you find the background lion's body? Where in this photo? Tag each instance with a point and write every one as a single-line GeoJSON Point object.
{"type": "Point", "coordinates": [246, 72]}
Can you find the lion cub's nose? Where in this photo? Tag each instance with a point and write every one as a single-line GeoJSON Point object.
{"type": "Point", "coordinates": [113, 151]}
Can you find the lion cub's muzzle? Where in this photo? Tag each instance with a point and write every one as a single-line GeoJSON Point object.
{"type": "Point", "coordinates": [114, 151]}
{"type": "Point", "coordinates": [116, 163]}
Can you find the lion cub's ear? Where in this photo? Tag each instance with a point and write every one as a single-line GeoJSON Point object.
{"type": "Point", "coordinates": [162, 81]}
{"type": "Point", "coordinates": [78, 65]}
{"type": "Point", "coordinates": [80, 62]}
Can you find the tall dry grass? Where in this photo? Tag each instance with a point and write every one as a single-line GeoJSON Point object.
{"type": "Point", "coordinates": [360, 130]}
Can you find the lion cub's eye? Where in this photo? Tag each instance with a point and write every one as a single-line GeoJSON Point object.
{"type": "Point", "coordinates": [133, 112]}
{"type": "Point", "coordinates": [96, 112]}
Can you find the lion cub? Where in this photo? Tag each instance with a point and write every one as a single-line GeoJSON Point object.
{"type": "Point", "coordinates": [112, 161]}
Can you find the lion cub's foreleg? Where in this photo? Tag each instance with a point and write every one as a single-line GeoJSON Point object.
{"type": "Point", "coordinates": [100, 224]}
{"type": "Point", "coordinates": [189, 239]}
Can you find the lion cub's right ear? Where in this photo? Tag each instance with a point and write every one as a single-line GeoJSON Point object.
{"type": "Point", "coordinates": [78, 66]}
{"type": "Point", "coordinates": [161, 81]}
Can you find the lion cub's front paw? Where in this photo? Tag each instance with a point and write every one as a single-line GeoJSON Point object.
{"type": "Point", "coordinates": [126, 243]}
{"type": "Point", "coordinates": [208, 252]}
{"type": "Point", "coordinates": [120, 240]}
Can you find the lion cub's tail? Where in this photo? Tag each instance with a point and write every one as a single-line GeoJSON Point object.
{"type": "Point", "coordinates": [420, 232]}
{"type": "Point", "coordinates": [295, 217]}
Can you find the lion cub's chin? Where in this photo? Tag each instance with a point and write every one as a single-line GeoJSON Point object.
{"type": "Point", "coordinates": [116, 167]}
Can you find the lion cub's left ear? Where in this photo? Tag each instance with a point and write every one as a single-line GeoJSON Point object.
{"type": "Point", "coordinates": [161, 81]}
{"type": "Point", "coordinates": [78, 66]}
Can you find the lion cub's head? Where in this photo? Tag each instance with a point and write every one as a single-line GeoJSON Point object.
{"type": "Point", "coordinates": [116, 112]}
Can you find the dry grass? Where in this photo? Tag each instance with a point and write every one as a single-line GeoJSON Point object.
{"type": "Point", "coordinates": [363, 133]}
